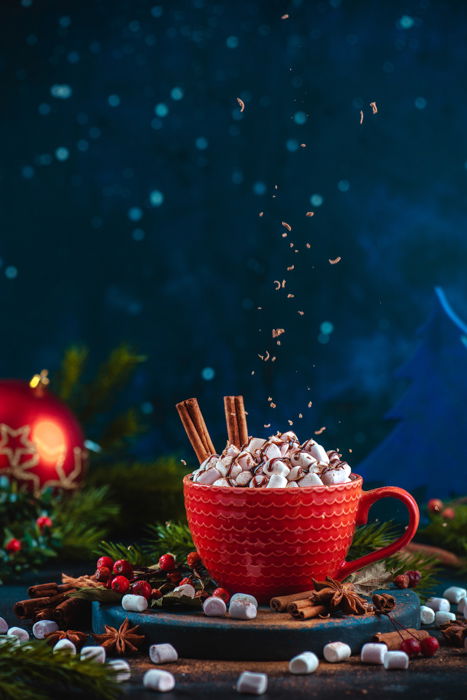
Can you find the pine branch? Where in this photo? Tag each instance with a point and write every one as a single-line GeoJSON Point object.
{"type": "Point", "coordinates": [450, 534]}
{"type": "Point", "coordinates": [116, 550]}
{"type": "Point", "coordinates": [32, 671]}
{"type": "Point", "coordinates": [70, 372]}
{"type": "Point", "coordinates": [373, 536]}
{"type": "Point", "coordinates": [125, 426]}
{"type": "Point", "coordinates": [174, 537]}
{"type": "Point", "coordinates": [110, 378]}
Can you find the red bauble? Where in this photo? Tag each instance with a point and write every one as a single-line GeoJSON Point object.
{"type": "Point", "coordinates": [435, 505]}
{"type": "Point", "coordinates": [142, 588]}
{"type": "Point", "coordinates": [449, 513]}
{"type": "Point", "coordinates": [41, 442]}
{"type": "Point", "coordinates": [13, 546]}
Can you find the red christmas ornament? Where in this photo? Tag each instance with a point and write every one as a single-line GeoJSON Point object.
{"type": "Point", "coordinates": [41, 442]}
{"type": "Point", "coordinates": [13, 546]}
{"type": "Point", "coordinates": [449, 513]}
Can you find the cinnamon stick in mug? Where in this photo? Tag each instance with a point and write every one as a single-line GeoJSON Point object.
{"type": "Point", "coordinates": [195, 428]}
{"type": "Point", "coordinates": [231, 420]}
{"type": "Point", "coordinates": [241, 420]}
{"type": "Point", "coordinates": [280, 603]}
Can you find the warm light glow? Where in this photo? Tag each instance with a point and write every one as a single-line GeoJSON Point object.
{"type": "Point", "coordinates": [49, 439]}
{"type": "Point", "coordinates": [35, 381]}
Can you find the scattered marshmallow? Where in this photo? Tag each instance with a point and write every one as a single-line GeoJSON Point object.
{"type": "Point", "coordinates": [373, 653]}
{"type": "Point", "coordinates": [162, 653]}
{"type": "Point", "coordinates": [186, 589]}
{"type": "Point", "coordinates": [214, 607]}
{"type": "Point", "coordinates": [441, 617]}
{"type": "Point", "coordinates": [134, 603]}
{"type": "Point", "coordinates": [336, 651]}
{"type": "Point", "coordinates": [3, 626]}
{"type": "Point", "coordinates": [96, 653]}
{"type": "Point", "coordinates": [253, 683]}
{"type": "Point", "coordinates": [19, 632]}
{"type": "Point", "coordinates": [427, 615]}
{"type": "Point", "coordinates": [65, 645]}
{"type": "Point", "coordinates": [438, 604]}
{"type": "Point", "coordinates": [303, 663]}
{"type": "Point", "coordinates": [242, 610]}
{"type": "Point", "coordinates": [156, 679]}
{"type": "Point", "coordinates": [245, 597]}
{"type": "Point", "coordinates": [122, 670]}
{"type": "Point", "coordinates": [455, 594]}
{"type": "Point", "coordinates": [462, 607]}
{"type": "Point", "coordinates": [396, 659]}
{"type": "Point", "coordinates": [42, 628]}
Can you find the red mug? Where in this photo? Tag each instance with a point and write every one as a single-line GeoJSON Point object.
{"type": "Point", "coordinates": [274, 541]}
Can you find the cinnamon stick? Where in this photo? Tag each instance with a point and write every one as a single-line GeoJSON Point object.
{"type": "Point", "coordinates": [200, 424]}
{"type": "Point", "coordinates": [308, 612]}
{"type": "Point", "coordinates": [443, 555]}
{"type": "Point", "coordinates": [44, 590]}
{"type": "Point", "coordinates": [191, 423]}
{"type": "Point", "coordinates": [44, 614]}
{"type": "Point", "coordinates": [298, 604]}
{"type": "Point", "coordinates": [72, 612]}
{"type": "Point", "coordinates": [25, 609]}
{"type": "Point", "coordinates": [231, 420]}
{"type": "Point", "coordinates": [241, 420]}
{"type": "Point", "coordinates": [280, 603]}
{"type": "Point", "coordinates": [393, 639]}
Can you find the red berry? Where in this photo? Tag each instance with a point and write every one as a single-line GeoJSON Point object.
{"type": "Point", "coordinates": [44, 521]}
{"type": "Point", "coordinates": [402, 581]}
{"type": "Point", "coordinates": [167, 562]}
{"type": "Point", "coordinates": [123, 567]}
{"type": "Point", "coordinates": [174, 576]}
{"type": "Point", "coordinates": [120, 584]}
{"type": "Point", "coordinates": [13, 546]}
{"type": "Point", "coordinates": [449, 513]}
{"type": "Point", "coordinates": [193, 559]}
{"type": "Point", "coordinates": [105, 561]}
{"type": "Point", "coordinates": [141, 588]}
{"type": "Point", "coordinates": [103, 574]}
{"type": "Point", "coordinates": [222, 593]}
{"type": "Point", "coordinates": [435, 505]}
{"type": "Point", "coordinates": [156, 593]}
{"type": "Point", "coordinates": [187, 579]}
{"type": "Point", "coordinates": [411, 646]}
{"type": "Point", "coordinates": [429, 646]}
{"type": "Point", "coordinates": [414, 578]}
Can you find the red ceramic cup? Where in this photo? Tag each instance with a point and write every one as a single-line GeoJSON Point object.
{"type": "Point", "coordinates": [274, 541]}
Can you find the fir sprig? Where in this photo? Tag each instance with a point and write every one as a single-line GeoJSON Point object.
{"type": "Point", "coordinates": [450, 533]}
{"type": "Point", "coordinates": [32, 671]}
{"type": "Point", "coordinates": [368, 538]}
{"type": "Point", "coordinates": [132, 553]}
{"type": "Point", "coordinates": [173, 537]}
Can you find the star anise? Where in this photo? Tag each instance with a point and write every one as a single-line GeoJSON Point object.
{"type": "Point", "coordinates": [454, 633]}
{"type": "Point", "coordinates": [383, 603]}
{"type": "Point", "coordinates": [338, 596]}
{"type": "Point", "coordinates": [78, 638]}
{"type": "Point", "coordinates": [123, 640]}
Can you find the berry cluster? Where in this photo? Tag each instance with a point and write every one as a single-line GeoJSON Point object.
{"type": "Point", "coordinates": [408, 580]}
{"type": "Point", "coordinates": [413, 647]}
{"type": "Point", "coordinates": [437, 506]}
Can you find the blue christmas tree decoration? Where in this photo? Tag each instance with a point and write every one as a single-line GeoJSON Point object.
{"type": "Point", "coordinates": [428, 445]}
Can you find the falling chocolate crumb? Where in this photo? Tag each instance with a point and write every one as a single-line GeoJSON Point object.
{"type": "Point", "coordinates": [303, 145]}
{"type": "Point", "coordinates": [284, 282]}
{"type": "Point", "coordinates": [286, 225]}
{"type": "Point", "coordinates": [310, 404]}
{"type": "Point", "coordinates": [285, 16]}
{"type": "Point", "coordinates": [276, 332]}
{"type": "Point", "coordinates": [183, 462]}
{"type": "Point", "coordinates": [290, 296]}
{"type": "Point", "coordinates": [308, 245]}
{"type": "Point", "coordinates": [374, 108]}
{"type": "Point", "coordinates": [290, 268]}
{"type": "Point", "coordinates": [310, 213]}
{"type": "Point", "coordinates": [321, 430]}
{"type": "Point", "coordinates": [252, 371]}
{"type": "Point", "coordinates": [241, 104]}
{"type": "Point", "coordinates": [335, 260]}
{"type": "Point", "coordinates": [301, 313]}
{"type": "Point", "coordinates": [261, 213]}
{"type": "Point", "coordinates": [272, 405]}
{"type": "Point", "coordinates": [273, 359]}
{"type": "Point", "coordinates": [290, 422]}
{"type": "Point", "coordinates": [350, 450]}
{"type": "Point", "coordinates": [300, 415]}
{"type": "Point", "coordinates": [361, 116]}
{"type": "Point", "coordinates": [276, 282]}
{"type": "Point", "coordinates": [267, 425]}
{"type": "Point", "coordinates": [284, 235]}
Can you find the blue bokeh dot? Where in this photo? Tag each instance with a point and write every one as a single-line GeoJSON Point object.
{"type": "Point", "coordinates": [420, 102]}
{"type": "Point", "coordinates": [138, 234]}
{"type": "Point", "coordinates": [343, 185]}
{"type": "Point", "coordinates": [156, 198]}
{"type": "Point", "coordinates": [201, 143]}
{"type": "Point", "coordinates": [44, 109]}
{"type": "Point", "coordinates": [161, 109]}
{"type": "Point", "coordinates": [73, 57]}
{"type": "Point", "coordinates": [62, 153]}
{"type": "Point", "coordinates": [113, 100]}
{"type": "Point", "coordinates": [406, 22]}
{"type": "Point", "coordinates": [316, 199]}
{"type": "Point", "coordinates": [259, 188]}
{"type": "Point", "coordinates": [323, 338]}
{"type": "Point", "coordinates": [300, 118]}
{"type": "Point", "coordinates": [208, 373]}
{"type": "Point", "coordinates": [156, 123]}
{"type": "Point", "coordinates": [292, 145]}
{"type": "Point", "coordinates": [231, 42]}
{"type": "Point", "coordinates": [135, 213]}
{"type": "Point", "coordinates": [326, 327]}
{"type": "Point", "coordinates": [11, 272]}
{"type": "Point", "coordinates": [82, 145]}
{"type": "Point", "coordinates": [27, 172]}
{"type": "Point", "coordinates": [157, 11]}
{"type": "Point", "coordinates": [176, 93]}
{"type": "Point", "coordinates": [65, 21]}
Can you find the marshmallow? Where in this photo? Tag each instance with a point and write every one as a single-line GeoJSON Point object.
{"type": "Point", "coordinates": [271, 451]}
{"type": "Point", "coordinates": [156, 679]}
{"type": "Point", "coordinates": [208, 477]}
{"type": "Point", "coordinates": [277, 482]}
{"type": "Point", "coordinates": [318, 452]}
{"type": "Point", "coordinates": [3, 626]}
{"type": "Point", "coordinates": [306, 662]}
{"type": "Point", "coordinates": [462, 607]}
{"type": "Point", "coordinates": [243, 479]}
{"type": "Point", "coordinates": [242, 610]}
{"type": "Point", "coordinates": [19, 632]}
{"type": "Point", "coordinates": [310, 480]}
{"type": "Point", "coordinates": [276, 466]}
{"type": "Point", "coordinates": [302, 459]}
{"type": "Point", "coordinates": [134, 603]}
{"type": "Point", "coordinates": [292, 484]}
{"type": "Point", "coordinates": [42, 628]}
{"type": "Point", "coordinates": [438, 604]}
{"type": "Point", "coordinates": [246, 597]}
{"type": "Point", "coordinates": [209, 462]}
{"type": "Point", "coordinates": [254, 444]}
{"type": "Point", "coordinates": [253, 683]}
{"type": "Point", "coordinates": [441, 617]}
{"type": "Point", "coordinates": [455, 594]}
{"type": "Point", "coordinates": [162, 653]}
{"type": "Point", "coordinates": [396, 659]}
{"type": "Point", "coordinates": [65, 645]}
{"type": "Point", "coordinates": [220, 482]}
{"type": "Point", "coordinates": [260, 480]}
{"type": "Point", "coordinates": [336, 651]}
{"type": "Point", "coordinates": [245, 460]}
{"type": "Point", "coordinates": [290, 436]}
{"type": "Point", "coordinates": [334, 476]}
{"type": "Point", "coordinates": [214, 607]}
{"type": "Point", "coordinates": [96, 653]}
{"type": "Point", "coordinates": [186, 589]}
{"type": "Point", "coordinates": [231, 451]}
{"type": "Point", "coordinates": [427, 615]}
{"type": "Point", "coordinates": [373, 653]}
{"type": "Point", "coordinates": [295, 473]}
{"type": "Point", "coordinates": [122, 670]}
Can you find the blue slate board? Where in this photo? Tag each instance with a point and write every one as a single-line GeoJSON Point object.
{"type": "Point", "coordinates": [270, 637]}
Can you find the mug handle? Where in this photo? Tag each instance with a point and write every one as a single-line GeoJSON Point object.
{"type": "Point", "coordinates": [366, 501]}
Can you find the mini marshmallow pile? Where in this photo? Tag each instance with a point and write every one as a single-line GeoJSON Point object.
{"type": "Point", "coordinates": [438, 610]}
{"type": "Point", "coordinates": [278, 462]}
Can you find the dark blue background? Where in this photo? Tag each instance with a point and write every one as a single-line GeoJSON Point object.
{"type": "Point", "coordinates": [88, 255]}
